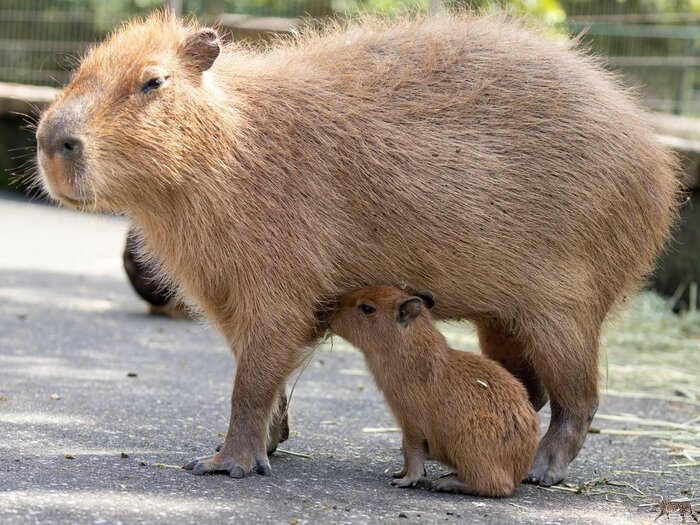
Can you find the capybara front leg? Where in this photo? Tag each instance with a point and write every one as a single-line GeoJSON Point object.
{"type": "Point", "coordinates": [500, 344]}
{"type": "Point", "coordinates": [569, 370]}
{"type": "Point", "coordinates": [261, 372]}
{"type": "Point", "coordinates": [279, 426]}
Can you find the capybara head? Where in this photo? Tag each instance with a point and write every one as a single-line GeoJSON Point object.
{"type": "Point", "coordinates": [134, 111]}
{"type": "Point", "coordinates": [378, 313]}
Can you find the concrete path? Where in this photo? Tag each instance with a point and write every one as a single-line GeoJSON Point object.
{"type": "Point", "coordinates": [100, 404]}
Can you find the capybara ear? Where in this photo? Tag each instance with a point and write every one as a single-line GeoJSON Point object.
{"type": "Point", "coordinates": [427, 297]}
{"type": "Point", "coordinates": [202, 48]}
{"type": "Point", "coordinates": [409, 310]}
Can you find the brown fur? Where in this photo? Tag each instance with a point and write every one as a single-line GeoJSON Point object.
{"type": "Point", "coordinates": [458, 408]}
{"type": "Point", "coordinates": [471, 156]}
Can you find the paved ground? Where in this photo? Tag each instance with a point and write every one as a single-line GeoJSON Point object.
{"type": "Point", "coordinates": [70, 327]}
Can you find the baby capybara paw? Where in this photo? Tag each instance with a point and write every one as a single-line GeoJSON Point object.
{"type": "Point", "coordinates": [406, 481]}
{"type": "Point", "coordinates": [399, 473]}
{"type": "Point", "coordinates": [402, 473]}
{"type": "Point", "coordinates": [451, 483]}
{"type": "Point", "coordinates": [222, 464]}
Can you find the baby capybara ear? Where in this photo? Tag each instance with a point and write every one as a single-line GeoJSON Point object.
{"type": "Point", "coordinates": [202, 48]}
{"type": "Point", "coordinates": [409, 309]}
{"type": "Point", "coordinates": [428, 299]}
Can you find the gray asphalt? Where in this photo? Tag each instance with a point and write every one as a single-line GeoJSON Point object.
{"type": "Point", "coordinates": [71, 328]}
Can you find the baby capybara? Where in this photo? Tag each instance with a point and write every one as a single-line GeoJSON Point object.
{"type": "Point", "coordinates": [471, 156]}
{"type": "Point", "coordinates": [461, 409]}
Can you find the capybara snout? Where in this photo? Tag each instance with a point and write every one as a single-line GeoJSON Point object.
{"type": "Point", "coordinates": [59, 135]}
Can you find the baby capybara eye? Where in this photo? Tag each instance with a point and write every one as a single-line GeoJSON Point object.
{"type": "Point", "coordinates": [366, 309]}
{"type": "Point", "coordinates": [152, 84]}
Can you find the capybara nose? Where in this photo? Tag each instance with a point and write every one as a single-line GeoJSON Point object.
{"type": "Point", "coordinates": [67, 146]}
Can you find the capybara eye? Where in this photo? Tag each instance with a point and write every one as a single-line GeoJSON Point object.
{"type": "Point", "coordinates": [366, 309]}
{"type": "Point", "coordinates": [152, 84]}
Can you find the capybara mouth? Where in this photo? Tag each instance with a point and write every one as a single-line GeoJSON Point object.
{"type": "Point", "coordinates": [74, 203]}
{"type": "Point", "coordinates": [61, 181]}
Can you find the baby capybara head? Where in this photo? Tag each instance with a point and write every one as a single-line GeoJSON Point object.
{"type": "Point", "coordinates": [132, 118]}
{"type": "Point", "coordinates": [377, 314]}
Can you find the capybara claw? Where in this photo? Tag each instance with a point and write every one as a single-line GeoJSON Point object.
{"type": "Point", "coordinates": [216, 465]}
{"type": "Point", "coordinates": [237, 472]}
{"type": "Point", "coordinates": [200, 469]}
{"type": "Point", "coordinates": [202, 466]}
{"type": "Point", "coordinates": [263, 467]}
{"type": "Point", "coordinates": [190, 465]}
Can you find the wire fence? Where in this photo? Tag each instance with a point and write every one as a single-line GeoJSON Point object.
{"type": "Point", "coordinates": [656, 43]}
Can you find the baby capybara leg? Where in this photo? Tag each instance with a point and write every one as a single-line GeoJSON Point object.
{"type": "Point", "coordinates": [414, 453]}
{"type": "Point", "coordinates": [261, 370]}
{"type": "Point", "coordinates": [452, 483]}
{"type": "Point", "coordinates": [500, 344]}
{"type": "Point", "coordinates": [566, 358]}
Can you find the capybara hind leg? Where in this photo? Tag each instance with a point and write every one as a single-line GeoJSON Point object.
{"type": "Point", "coordinates": [500, 344]}
{"type": "Point", "coordinates": [451, 483]}
{"type": "Point", "coordinates": [568, 365]}
{"type": "Point", "coordinates": [414, 454]}
{"type": "Point", "coordinates": [279, 425]}
{"type": "Point", "coordinates": [261, 370]}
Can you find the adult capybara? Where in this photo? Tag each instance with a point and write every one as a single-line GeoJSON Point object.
{"type": "Point", "coordinates": [461, 409]}
{"type": "Point", "coordinates": [474, 157]}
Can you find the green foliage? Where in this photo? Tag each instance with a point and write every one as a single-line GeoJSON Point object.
{"type": "Point", "coordinates": [548, 10]}
{"type": "Point", "coordinates": [389, 7]}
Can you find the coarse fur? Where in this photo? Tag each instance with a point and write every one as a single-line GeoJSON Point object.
{"type": "Point", "coordinates": [469, 155]}
{"type": "Point", "coordinates": [461, 409]}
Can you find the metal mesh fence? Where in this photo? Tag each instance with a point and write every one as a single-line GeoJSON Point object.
{"type": "Point", "coordinates": [41, 39]}
{"type": "Point", "coordinates": [656, 43]}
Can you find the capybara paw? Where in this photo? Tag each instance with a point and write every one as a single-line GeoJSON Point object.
{"type": "Point", "coordinates": [545, 474]}
{"type": "Point", "coordinates": [450, 483]}
{"type": "Point", "coordinates": [406, 481]}
{"type": "Point", "coordinates": [399, 473]}
{"type": "Point", "coordinates": [214, 465]}
{"type": "Point", "coordinates": [218, 464]}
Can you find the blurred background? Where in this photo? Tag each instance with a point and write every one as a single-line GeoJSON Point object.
{"type": "Point", "coordinates": [654, 44]}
